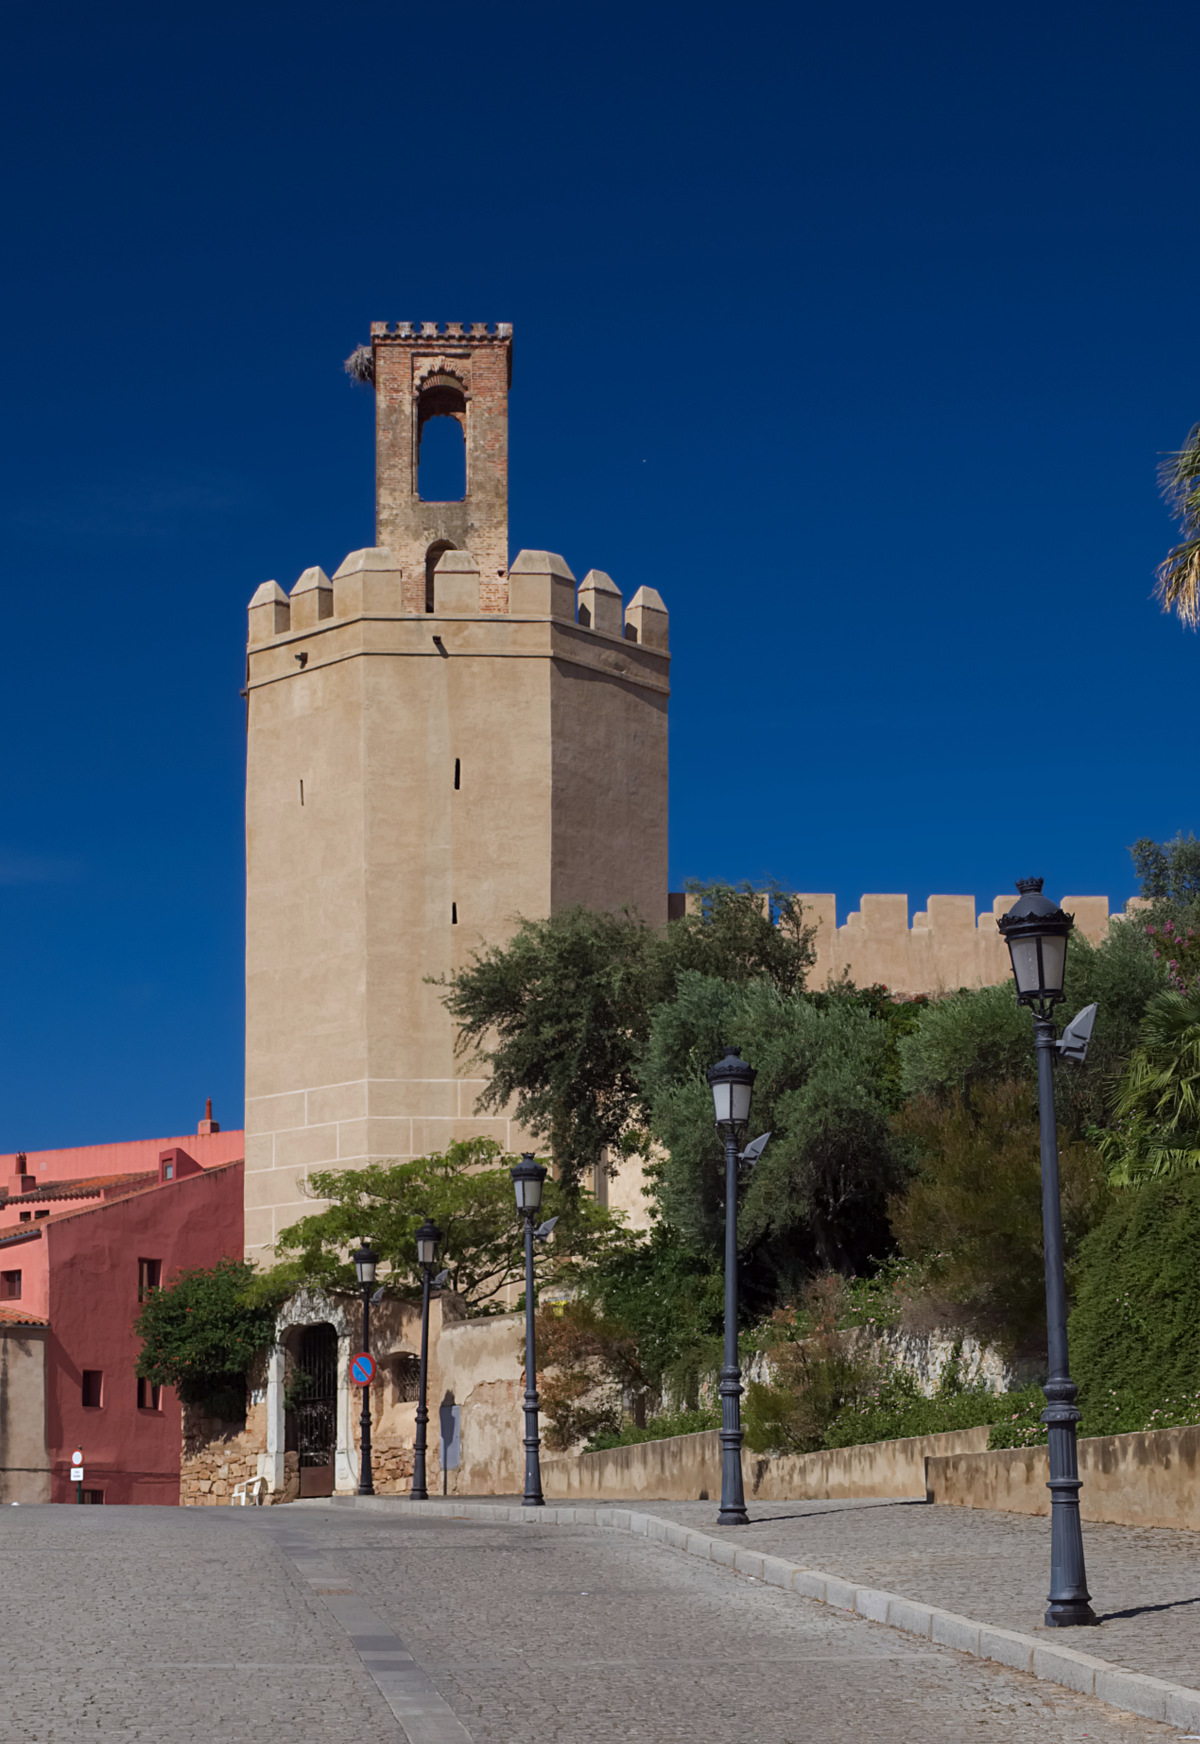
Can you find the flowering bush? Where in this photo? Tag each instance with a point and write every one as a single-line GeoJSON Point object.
{"type": "Point", "coordinates": [1177, 951]}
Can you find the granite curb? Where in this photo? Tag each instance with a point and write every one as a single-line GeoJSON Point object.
{"type": "Point", "coordinates": [1152, 1698]}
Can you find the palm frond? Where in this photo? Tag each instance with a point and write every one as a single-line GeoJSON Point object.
{"type": "Point", "coordinates": [1178, 576]}
{"type": "Point", "coordinates": [1178, 583]}
{"type": "Point", "coordinates": [1179, 474]}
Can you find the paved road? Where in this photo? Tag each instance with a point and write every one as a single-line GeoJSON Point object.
{"type": "Point", "coordinates": [993, 1568]}
{"type": "Point", "coordinates": [313, 1625]}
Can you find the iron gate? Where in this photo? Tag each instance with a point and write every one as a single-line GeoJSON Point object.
{"type": "Point", "coordinates": [316, 1408]}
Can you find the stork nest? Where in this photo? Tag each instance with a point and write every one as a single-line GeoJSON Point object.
{"type": "Point", "coordinates": [360, 366]}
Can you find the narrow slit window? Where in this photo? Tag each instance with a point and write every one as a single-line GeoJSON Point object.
{"type": "Point", "coordinates": [454, 914]}
{"type": "Point", "coordinates": [149, 1278]}
{"type": "Point", "coordinates": [457, 774]}
{"type": "Point", "coordinates": [302, 790]}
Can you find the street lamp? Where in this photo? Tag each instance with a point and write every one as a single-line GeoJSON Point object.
{"type": "Point", "coordinates": [428, 1237]}
{"type": "Point", "coordinates": [528, 1178]}
{"type": "Point", "coordinates": [1036, 933]}
{"type": "Point", "coordinates": [365, 1261]}
{"type": "Point", "coordinates": [732, 1083]}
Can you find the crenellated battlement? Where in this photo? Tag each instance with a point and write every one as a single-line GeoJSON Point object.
{"type": "Point", "coordinates": [946, 947]}
{"type": "Point", "coordinates": [406, 332]}
{"type": "Point", "coordinates": [371, 583]}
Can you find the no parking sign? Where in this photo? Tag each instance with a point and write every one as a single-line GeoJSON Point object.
{"type": "Point", "coordinates": [362, 1369]}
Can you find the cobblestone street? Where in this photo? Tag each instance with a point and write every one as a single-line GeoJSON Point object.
{"type": "Point", "coordinates": [308, 1625]}
{"type": "Point", "coordinates": [1144, 1581]}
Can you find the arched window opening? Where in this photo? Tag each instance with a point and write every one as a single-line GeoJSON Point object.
{"type": "Point", "coordinates": [431, 563]}
{"type": "Point", "coordinates": [441, 442]}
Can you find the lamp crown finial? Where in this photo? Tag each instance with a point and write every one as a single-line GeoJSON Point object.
{"type": "Point", "coordinates": [1030, 886]}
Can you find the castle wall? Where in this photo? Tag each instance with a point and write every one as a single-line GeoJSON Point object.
{"type": "Point", "coordinates": [946, 947]}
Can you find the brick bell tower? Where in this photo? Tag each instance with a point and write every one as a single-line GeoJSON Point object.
{"type": "Point", "coordinates": [438, 742]}
{"type": "Point", "coordinates": [464, 374]}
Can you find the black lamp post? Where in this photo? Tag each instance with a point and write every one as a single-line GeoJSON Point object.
{"type": "Point", "coordinates": [365, 1261]}
{"type": "Point", "coordinates": [1036, 933]}
{"type": "Point", "coordinates": [732, 1083]}
{"type": "Point", "coordinates": [428, 1237]}
{"type": "Point", "coordinates": [528, 1178]}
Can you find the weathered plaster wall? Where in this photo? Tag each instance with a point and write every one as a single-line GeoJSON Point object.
{"type": "Point", "coordinates": [24, 1460]}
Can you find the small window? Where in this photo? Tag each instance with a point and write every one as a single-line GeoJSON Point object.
{"type": "Point", "coordinates": [149, 1276]}
{"type": "Point", "coordinates": [10, 1286]}
{"type": "Point", "coordinates": [407, 1372]}
{"type": "Point", "coordinates": [26, 1216]}
{"type": "Point", "coordinates": [93, 1388]}
{"type": "Point", "coordinates": [38, 1214]}
{"type": "Point", "coordinates": [168, 1171]}
{"type": "Point", "coordinates": [454, 914]}
{"type": "Point", "coordinates": [149, 1395]}
{"type": "Point", "coordinates": [95, 1497]}
{"type": "Point", "coordinates": [457, 774]}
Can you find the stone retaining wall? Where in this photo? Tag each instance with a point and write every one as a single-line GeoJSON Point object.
{"type": "Point", "coordinates": [217, 1455]}
{"type": "Point", "coordinates": [687, 1468]}
{"type": "Point", "coordinates": [1148, 1479]}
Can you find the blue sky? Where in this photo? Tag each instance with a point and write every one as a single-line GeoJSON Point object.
{"type": "Point", "coordinates": [855, 331]}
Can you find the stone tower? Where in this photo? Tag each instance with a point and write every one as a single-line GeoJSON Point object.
{"type": "Point", "coordinates": [438, 742]}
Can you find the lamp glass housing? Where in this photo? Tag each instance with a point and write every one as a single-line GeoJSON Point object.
{"type": "Point", "coordinates": [428, 1237]}
{"type": "Point", "coordinates": [365, 1261]}
{"type": "Point", "coordinates": [528, 1178]}
{"type": "Point", "coordinates": [732, 1083]}
{"type": "Point", "coordinates": [1036, 931]}
{"type": "Point", "coordinates": [1039, 965]}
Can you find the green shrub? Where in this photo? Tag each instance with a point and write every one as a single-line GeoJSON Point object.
{"type": "Point", "coordinates": [976, 1036]}
{"type": "Point", "coordinates": [817, 1198]}
{"type": "Point", "coordinates": [201, 1333]}
{"type": "Point", "coordinates": [897, 1408]}
{"type": "Point", "coordinates": [1156, 1131]}
{"type": "Point", "coordinates": [657, 1428]}
{"type": "Point", "coordinates": [1135, 1331]}
{"type": "Point", "coordinates": [972, 1218]}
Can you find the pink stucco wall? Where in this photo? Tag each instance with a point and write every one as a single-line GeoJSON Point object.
{"type": "Point", "coordinates": [88, 1262]}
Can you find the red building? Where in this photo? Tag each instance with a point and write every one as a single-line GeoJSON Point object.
{"type": "Point", "coordinates": [82, 1241]}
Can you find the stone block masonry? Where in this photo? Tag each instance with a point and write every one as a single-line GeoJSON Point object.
{"type": "Point", "coordinates": [438, 743]}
